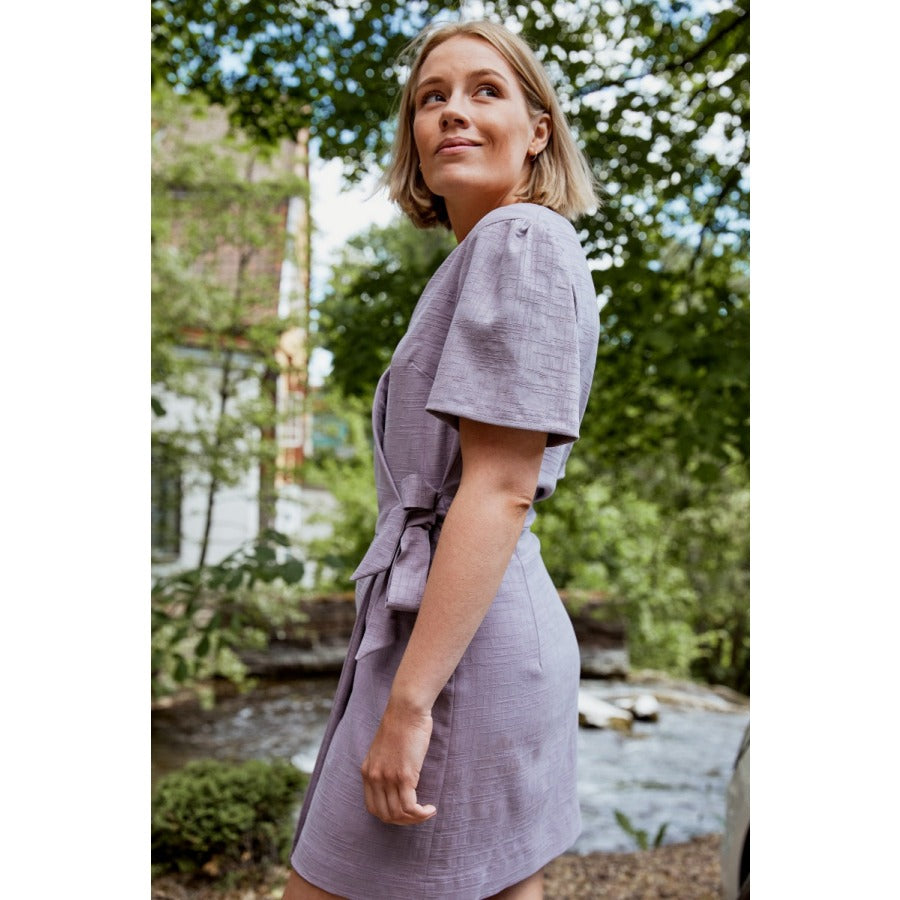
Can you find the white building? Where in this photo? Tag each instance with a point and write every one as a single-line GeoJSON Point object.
{"type": "Point", "coordinates": [181, 491]}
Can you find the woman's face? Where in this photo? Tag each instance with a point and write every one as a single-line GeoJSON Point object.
{"type": "Point", "coordinates": [473, 130]}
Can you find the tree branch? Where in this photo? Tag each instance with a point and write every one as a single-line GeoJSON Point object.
{"type": "Point", "coordinates": [710, 42]}
{"type": "Point", "coordinates": [730, 181]}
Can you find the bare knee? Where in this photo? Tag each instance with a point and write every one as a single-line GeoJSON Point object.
{"type": "Point", "coordinates": [532, 888]}
{"type": "Point", "coordinates": [298, 888]}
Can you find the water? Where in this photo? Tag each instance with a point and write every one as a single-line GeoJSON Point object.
{"type": "Point", "coordinates": [674, 771]}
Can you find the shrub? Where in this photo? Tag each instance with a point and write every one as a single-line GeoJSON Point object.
{"type": "Point", "coordinates": [230, 812]}
{"type": "Point", "coordinates": [203, 618]}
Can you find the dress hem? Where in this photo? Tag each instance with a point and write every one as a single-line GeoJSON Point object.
{"type": "Point", "coordinates": [445, 891]}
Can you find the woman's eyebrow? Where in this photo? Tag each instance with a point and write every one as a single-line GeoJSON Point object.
{"type": "Point", "coordinates": [480, 73]}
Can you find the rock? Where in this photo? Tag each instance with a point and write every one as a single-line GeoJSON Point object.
{"type": "Point", "coordinates": [283, 660]}
{"type": "Point", "coordinates": [644, 707]}
{"type": "Point", "coordinates": [603, 662]}
{"type": "Point", "coordinates": [688, 694]}
{"type": "Point", "coordinates": [317, 645]}
{"type": "Point", "coordinates": [596, 713]}
{"type": "Point", "coordinates": [691, 699]}
{"type": "Point", "coordinates": [600, 629]}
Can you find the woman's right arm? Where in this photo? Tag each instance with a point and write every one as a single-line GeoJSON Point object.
{"type": "Point", "coordinates": [499, 478]}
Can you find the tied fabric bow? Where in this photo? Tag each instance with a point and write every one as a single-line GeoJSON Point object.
{"type": "Point", "coordinates": [402, 543]}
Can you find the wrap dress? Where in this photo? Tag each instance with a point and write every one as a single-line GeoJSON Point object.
{"type": "Point", "coordinates": [505, 332]}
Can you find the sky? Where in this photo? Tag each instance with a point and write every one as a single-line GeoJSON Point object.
{"type": "Point", "coordinates": [338, 213]}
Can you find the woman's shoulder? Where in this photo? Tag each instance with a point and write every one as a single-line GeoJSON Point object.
{"type": "Point", "coordinates": [531, 214]}
{"type": "Point", "coordinates": [507, 227]}
{"type": "Point", "coordinates": [501, 236]}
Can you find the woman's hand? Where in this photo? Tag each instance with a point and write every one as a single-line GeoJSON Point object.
{"type": "Point", "coordinates": [391, 768]}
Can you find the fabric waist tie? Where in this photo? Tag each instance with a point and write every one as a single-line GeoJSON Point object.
{"type": "Point", "coordinates": [402, 543]}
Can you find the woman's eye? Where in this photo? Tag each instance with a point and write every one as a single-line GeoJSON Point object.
{"type": "Point", "coordinates": [488, 90]}
{"type": "Point", "coordinates": [430, 97]}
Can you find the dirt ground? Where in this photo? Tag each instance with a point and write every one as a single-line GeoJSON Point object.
{"type": "Point", "coordinates": [687, 871]}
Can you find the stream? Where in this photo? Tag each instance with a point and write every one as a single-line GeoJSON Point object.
{"type": "Point", "coordinates": [674, 771]}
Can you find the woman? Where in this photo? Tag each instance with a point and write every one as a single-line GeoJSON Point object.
{"type": "Point", "coordinates": [448, 766]}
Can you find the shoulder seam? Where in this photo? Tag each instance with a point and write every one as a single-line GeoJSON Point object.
{"type": "Point", "coordinates": [545, 227]}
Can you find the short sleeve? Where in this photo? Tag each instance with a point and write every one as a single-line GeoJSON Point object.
{"type": "Point", "coordinates": [511, 356]}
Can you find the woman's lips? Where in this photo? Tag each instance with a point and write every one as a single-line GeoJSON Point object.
{"type": "Point", "coordinates": [453, 149]}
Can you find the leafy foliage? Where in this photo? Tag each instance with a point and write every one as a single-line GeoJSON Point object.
{"type": "Point", "coordinates": [370, 300]}
{"type": "Point", "coordinates": [350, 479]}
{"type": "Point", "coordinates": [284, 65]}
{"type": "Point", "coordinates": [667, 120]}
{"type": "Point", "coordinates": [227, 813]}
{"type": "Point", "coordinates": [671, 550]}
{"type": "Point", "coordinates": [595, 536]}
{"type": "Point", "coordinates": [659, 95]}
{"type": "Point", "coordinates": [202, 618]}
{"type": "Point", "coordinates": [219, 205]}
{"type": "Point", "coordinates": [654, 508]}
{"type": "Point", "coordinates": [639, 834]}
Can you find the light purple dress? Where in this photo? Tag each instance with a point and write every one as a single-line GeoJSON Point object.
{"type": "Point", "coordinates": [505, 332]}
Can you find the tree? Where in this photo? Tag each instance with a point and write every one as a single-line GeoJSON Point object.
{"type": "Point", "coordinates": [670, 550]}
{"type": "Point", "coordinates": [279, 66]}
{"type": "Point", "coordinates": [672, 242]}
{"type": "Point", "coordinates": [658, 93]}
{"type": "Point", "coordinates": [218, 240]}
{"type": "Point", "coordinates": [218, 243]}
{"type": "Point", "coordinates": [367, 307]}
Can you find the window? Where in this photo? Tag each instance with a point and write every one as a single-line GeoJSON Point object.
{"type": "Point", "coordinates": [165, 503]}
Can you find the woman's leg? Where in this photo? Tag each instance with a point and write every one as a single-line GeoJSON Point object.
{"type": "Point", "coordinates": [532, 888]}
{"type": "Point", "coordinates": [299, 888]}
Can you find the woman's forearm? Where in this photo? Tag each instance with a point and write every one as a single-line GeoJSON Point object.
{"type": "Point", "coordinates": [500, 469]}
{"type": "Point", "coordinates": [476, 544]}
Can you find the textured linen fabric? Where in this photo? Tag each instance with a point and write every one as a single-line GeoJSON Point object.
{"type": "Point", "coordinates": [506, 333]}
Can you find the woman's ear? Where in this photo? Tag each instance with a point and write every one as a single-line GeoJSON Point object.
{"type": "Point", "coordinates": [540, 135]}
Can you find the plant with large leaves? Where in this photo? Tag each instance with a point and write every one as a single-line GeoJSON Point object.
{"type": "Point", "coordinates": [202, 618]}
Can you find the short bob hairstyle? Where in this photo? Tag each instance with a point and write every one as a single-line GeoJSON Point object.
{"type": "Point", "coordinates": [561, 178]}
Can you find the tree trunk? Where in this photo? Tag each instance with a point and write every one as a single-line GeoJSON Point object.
{"type": "Point", "coordinates": [224, 394]}
{"type": "Point", "coordinates": [268, 457]}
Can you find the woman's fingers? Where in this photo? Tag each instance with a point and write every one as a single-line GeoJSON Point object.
{"type": "Point", "coordinates": [404, 806]}
{"type": "Point", "coordinates": [395, 804]}
{"type": "Point", "coordinates": [375, 800]}
{"type": "Point", "coordinates": [411, 805]}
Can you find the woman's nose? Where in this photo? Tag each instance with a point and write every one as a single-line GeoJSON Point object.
{"type": "Point", "coordinates": [452, 114]}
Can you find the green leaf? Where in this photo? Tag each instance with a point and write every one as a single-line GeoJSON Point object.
{"type": "Point", "coordinates": [708, 472]}
{"type": "Point", "coordinates": [292, 571]}
{"type": "Point", "coordinates": [265, 554]}
{"type": "Point", "coordinates": [234, 580]}
{"type": "Point", "coordinates": [181, 670]}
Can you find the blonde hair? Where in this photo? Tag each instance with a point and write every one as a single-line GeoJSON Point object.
{"type": "Point", "coordinates": [561, 178]}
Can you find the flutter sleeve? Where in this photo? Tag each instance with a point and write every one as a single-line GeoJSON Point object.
{"type": "Point", "coordinates": [511, 356]}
